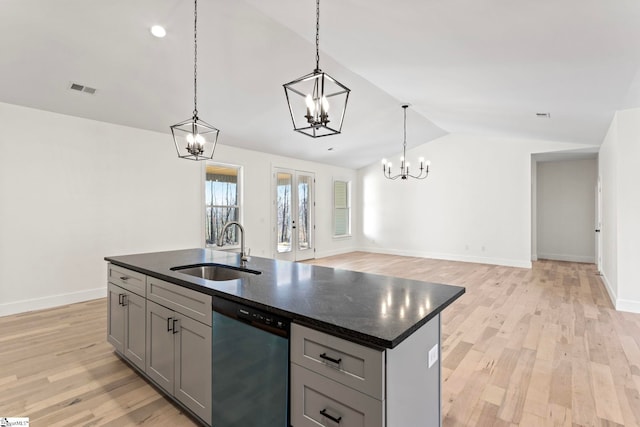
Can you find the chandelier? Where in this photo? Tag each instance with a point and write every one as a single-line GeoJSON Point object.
{"type": "Point", "coordinates": [423, 169]}
{"type": "Point", "coordinates": [310, 97]}
{"type": "Point", "coordinates": [195, 139]}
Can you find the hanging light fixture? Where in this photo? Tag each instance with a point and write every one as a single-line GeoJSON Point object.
{"type": "Point", "coordinates": [195, 139]}
{"type": "Point", "coordinates": [310, 97]}
{"type": "Point", "coordinates": [404, 165]}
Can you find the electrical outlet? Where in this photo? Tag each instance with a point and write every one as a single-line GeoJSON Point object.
{"type": "Point", "coordinates": [433, 355]}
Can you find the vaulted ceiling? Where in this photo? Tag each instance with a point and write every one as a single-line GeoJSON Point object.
{"type": "Point", "coordinates": [483, 67]}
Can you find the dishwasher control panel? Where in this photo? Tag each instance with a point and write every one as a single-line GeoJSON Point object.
{"type": "Point", "coordinates": [256, 317]}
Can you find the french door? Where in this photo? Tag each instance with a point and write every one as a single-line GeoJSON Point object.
{"type": "Point", "coordinates": [294, 222]}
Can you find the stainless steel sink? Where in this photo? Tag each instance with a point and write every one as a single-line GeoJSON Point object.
{"type": "Point", "coordinates": [217, 272]}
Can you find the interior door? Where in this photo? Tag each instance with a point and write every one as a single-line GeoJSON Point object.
{"type": "Point", "coordinates": [294, 203]}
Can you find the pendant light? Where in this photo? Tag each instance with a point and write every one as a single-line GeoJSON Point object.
{"type": "Point", "coordinates": [423, 169]}
{"type": "Point", "coordinates": [195, 139]}
{"type": "Point", "coordinates": [317, 101]}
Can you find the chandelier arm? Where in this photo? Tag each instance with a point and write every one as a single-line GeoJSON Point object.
{"type": "Point", "coordinates": [420, 175]}
{"type": "Point", "coordinates": [195, 59]}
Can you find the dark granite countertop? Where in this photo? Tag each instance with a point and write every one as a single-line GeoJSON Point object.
{"type": "Point", "coordinates": [374, 310]}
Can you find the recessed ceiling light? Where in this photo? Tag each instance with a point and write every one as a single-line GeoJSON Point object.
{"type": "Point", "coordinates": [158, 31]}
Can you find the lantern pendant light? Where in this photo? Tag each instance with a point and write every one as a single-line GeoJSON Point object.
{"type": "Point", "coordinates": [317, 102]}
{"type": "Point", "coordinates": [195, 139]}
{"type": "Point", "coordinates": [423, 167]}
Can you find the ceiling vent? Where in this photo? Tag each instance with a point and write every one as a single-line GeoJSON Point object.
{"type": "Point", "coordinates": [543, 115]}
{"type": "Point", "coordinates": [82, 88]}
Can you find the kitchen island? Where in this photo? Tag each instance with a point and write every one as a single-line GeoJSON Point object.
{"type": "Point", "coordinates": [377, 337]}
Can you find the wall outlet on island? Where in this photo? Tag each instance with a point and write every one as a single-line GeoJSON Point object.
{"type": "Point", "coordinates": [433, 355]}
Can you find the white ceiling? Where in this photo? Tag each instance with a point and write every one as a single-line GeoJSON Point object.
{"type": "Point", "coordinates": [473, 66]}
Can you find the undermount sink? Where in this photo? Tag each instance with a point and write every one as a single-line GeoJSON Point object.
{"type": "Point", "coordinates": [217, 272]}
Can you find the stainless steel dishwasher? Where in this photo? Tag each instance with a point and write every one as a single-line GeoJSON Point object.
{"type": "Point", "coordinates": [250, 354]}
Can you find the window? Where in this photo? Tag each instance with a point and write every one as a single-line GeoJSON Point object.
{"type": "Point", "coordinates": [222, 202]}
{"type": "Point", "coordinates": [341, 208]}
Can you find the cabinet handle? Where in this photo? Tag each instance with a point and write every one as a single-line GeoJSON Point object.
{"type": "Point", "coordinates": [124, 278]}
{"type": "Point", "coordinates": [169, 324]}
{"type": "Point", "coordinates": [334, 419]}
{"type": "Point", "coordinates": [120, 299]}
{"type": "Point", "coordinates": [330, 359]}
{"type": "Point", "coordinates": [175, 330]}
{"type": "Point", "coordinates": [125, 301]}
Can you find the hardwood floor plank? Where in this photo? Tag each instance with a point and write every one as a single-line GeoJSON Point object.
{"type": "Point", "coordinates": [607, 406]}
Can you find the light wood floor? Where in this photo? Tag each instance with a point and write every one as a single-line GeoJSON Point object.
{"type": "Point", "coordinates": [539, 347]}
{"type": "Point", "coordinates": [522, 347]}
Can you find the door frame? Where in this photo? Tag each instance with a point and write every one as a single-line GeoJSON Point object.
{"type": "Point", "coordinates": [598, 224]}
{"type": "Point", "coordinates": [295, 254]}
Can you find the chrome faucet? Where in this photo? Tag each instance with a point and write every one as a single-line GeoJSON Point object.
{"type": "Point", "coordinates": [243, 256]}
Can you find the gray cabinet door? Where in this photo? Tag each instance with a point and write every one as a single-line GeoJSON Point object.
{"type": "Point", "coordinates": [135, 329]}
{"type": "Point", "coordinates": [193, 366]}
{"type": "Point", "coordinates": [160, 339]}
{"type": "Point", "coordinates": [115, 317]}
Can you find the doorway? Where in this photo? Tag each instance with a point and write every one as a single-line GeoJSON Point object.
{"type": "Point", "coordinates": [294, 222]}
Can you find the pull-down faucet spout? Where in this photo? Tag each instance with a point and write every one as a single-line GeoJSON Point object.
{"type": "Point", "coordinates": [243, 256]}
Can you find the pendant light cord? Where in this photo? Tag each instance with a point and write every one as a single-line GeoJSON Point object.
{"type": "Point", "coordinates": [404, 145]}
{"type": "Point", "coordinates": [195, 59]}
{"type": "Point", "coordinates": [317, 35]}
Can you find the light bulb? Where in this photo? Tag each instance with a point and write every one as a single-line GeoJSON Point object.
{"type": "Point", "coordinates": [200, 139]}
{"type": "Point", "coordinates": [421, 159]}
{"type": "Point", "coordinates": [311, 108]}
{"type": "Point", "coordinates": [402, 158]}
{"type": "Point", "coordinates": [384, 161]}
{"type": "Point", "coordinates": [190, 138]}
{"type": "Point", "coordinates": [389, 165]}
{"type": "Point", "coordinates": [428, 163]}
{"type": "Point", "coordinates": [325, 105]}
{"type": "Point", "coordinates": [407, 165]}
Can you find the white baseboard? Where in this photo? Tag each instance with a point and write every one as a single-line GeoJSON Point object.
{"type": "Point", "coordinates": [570, 258]}
{"type": "Point", "coordinates": [452, 257]}
{"type": "Point", "coordinates": [323, 254]}
{"type": "Point", "coordinates": [612, 295]}
{"type": "Point", "coordinates": [23, 306]}
{"type": "Point", "coordinates": [628, 305]}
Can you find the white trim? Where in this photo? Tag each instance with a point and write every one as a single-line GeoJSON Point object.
{"type": "Point", "coordinates": [452, 257]}
{"type": "Point", "coordinates": [334, 252]}
{"type": "Point", "coordinates": [628, 305]}
{"type": "Point", "coordinates": [51, 301]}
{"type": "Point", "coordinates": [570, 258]}
{"type": "Point", "coordinates": [612, 295]}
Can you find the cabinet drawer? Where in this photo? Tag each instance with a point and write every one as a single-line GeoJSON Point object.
{"type": "Point", "coordinates": [317, 400]}
{"type": "Point", "coordinates": [183, 300]}
{"type": "Point", "coordinates": [127, 279]}
{"type": "Point", "coordinates": [354, 365]}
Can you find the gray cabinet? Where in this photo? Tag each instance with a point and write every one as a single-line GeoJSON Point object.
{"type": "Point", "coordinates": [337, 382]}
{"type": "Point", "coordinates": [179, 357]}
{"type": "Point", "coordinates": [165, 330]}
{"type": "Point", "coordinates": [334, 381]}
{"type": "Point", "coordinates": [126, 324]}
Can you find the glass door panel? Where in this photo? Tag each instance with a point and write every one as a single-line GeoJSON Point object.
{"type": "Point", "coordinates": [294, 222]}
{"type": "Point", "coordinates": [304, 212]}
{"type": "Point", "coordinates": [283, 205]}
